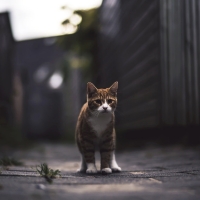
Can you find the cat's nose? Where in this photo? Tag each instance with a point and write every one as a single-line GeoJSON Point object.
{"type": "Point", "coordinates": [105, 108]}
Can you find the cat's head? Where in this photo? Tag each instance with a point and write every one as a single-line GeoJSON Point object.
{"type": "Point", "coordinates": [102, 100]}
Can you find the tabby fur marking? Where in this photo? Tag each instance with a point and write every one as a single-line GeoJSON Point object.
{"type": "Point", "coordinates": [95, 129]}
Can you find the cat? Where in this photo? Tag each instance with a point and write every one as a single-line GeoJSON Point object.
{"type": "Point", "coordinates": [95, 128]}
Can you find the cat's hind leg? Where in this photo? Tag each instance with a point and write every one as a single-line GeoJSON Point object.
{"type": "Point", "coordinates": [113, 164]}
{"type": "Point", "coordinates": [83, 166]}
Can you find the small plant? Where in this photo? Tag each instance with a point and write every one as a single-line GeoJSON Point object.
{"type": "Point", "coordinates": [7, 161]}
{"type": "Point", "coordinates": [47, 172]}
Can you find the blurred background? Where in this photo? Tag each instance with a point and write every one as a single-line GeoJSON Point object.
{"type": "Point", "coordinates": [49, 50]}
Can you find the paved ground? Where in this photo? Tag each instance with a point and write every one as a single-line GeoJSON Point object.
{"type": "Point", "coordinates": [151, 173]}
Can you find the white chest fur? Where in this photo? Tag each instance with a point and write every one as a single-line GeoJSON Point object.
{"type": "Point", "coordinates": [100, 123]}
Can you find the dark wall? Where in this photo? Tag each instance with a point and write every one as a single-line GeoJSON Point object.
{"type": "Point", "coordinates": [129, 53]}
{"type": "Point", "coordinates": [139, 67]}
{"type": "Point", "coordinates": [6, 69]}
{"type": "Point", "coordinates": [152, 48]}
{"type": "Point", "coordinates": [108, 44]}
{"type": "Point", "coordinates": [36, 61]}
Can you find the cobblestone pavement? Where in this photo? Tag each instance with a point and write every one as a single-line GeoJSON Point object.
{"type": "Point", "coordinates": [150, 173]}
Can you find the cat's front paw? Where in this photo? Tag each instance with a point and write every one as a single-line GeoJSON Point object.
{"type": "Point", "coordinates": [80, 170]}
{"type": "Point", "coordinates": [91, 171]}
{"type": "Point", "coordinates": [116, 169]}
{"type": "Point", "coordinates": [106, 171]}
{"type": "Point", "coordinates": [91, 168]}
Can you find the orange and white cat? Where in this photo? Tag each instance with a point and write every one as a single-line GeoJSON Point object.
{"type": "Point", "coordinates": [95, 128]}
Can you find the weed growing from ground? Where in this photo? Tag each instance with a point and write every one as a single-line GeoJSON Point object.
{"type": "Point", "coordinates": [7, 161]}
{"type": "Point", "coordinates": [47, 172]}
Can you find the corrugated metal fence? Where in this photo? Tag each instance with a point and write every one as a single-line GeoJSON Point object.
{"type": "Point", "coordinates": [152, 48]}
{"type": "Point", "coordinates": [180, 45]}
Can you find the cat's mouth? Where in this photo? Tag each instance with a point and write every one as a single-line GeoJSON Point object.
{"type": "Point", "coordinates": [105, 111]}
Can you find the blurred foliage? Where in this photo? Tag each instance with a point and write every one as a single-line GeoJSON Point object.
{"type": "Point", "coordinates": [85, 38]}
{"type": "Point", "coordinates": [73, 60]}
{"type": "Point", "coordinates": [82, 45]}
{"type": "Point", "coordinates": [7, 161]}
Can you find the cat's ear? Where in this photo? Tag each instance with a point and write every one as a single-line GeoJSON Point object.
{"type": "Point", "coordinates": [113, 88]}
{"type": "Point", "coordinates": [91, 89]}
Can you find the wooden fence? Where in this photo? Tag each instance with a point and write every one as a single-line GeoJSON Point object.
{"type": "Point", "coordinates": [152, 48]}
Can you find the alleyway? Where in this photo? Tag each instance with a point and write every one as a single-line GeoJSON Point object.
{"type": "Point", "coordinates": [149, 173]}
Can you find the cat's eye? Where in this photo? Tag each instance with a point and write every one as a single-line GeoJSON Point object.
{"type": "Point", "coordinates": [98, 101]}
{"type": "Point", "coordinates": [109, 101]}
